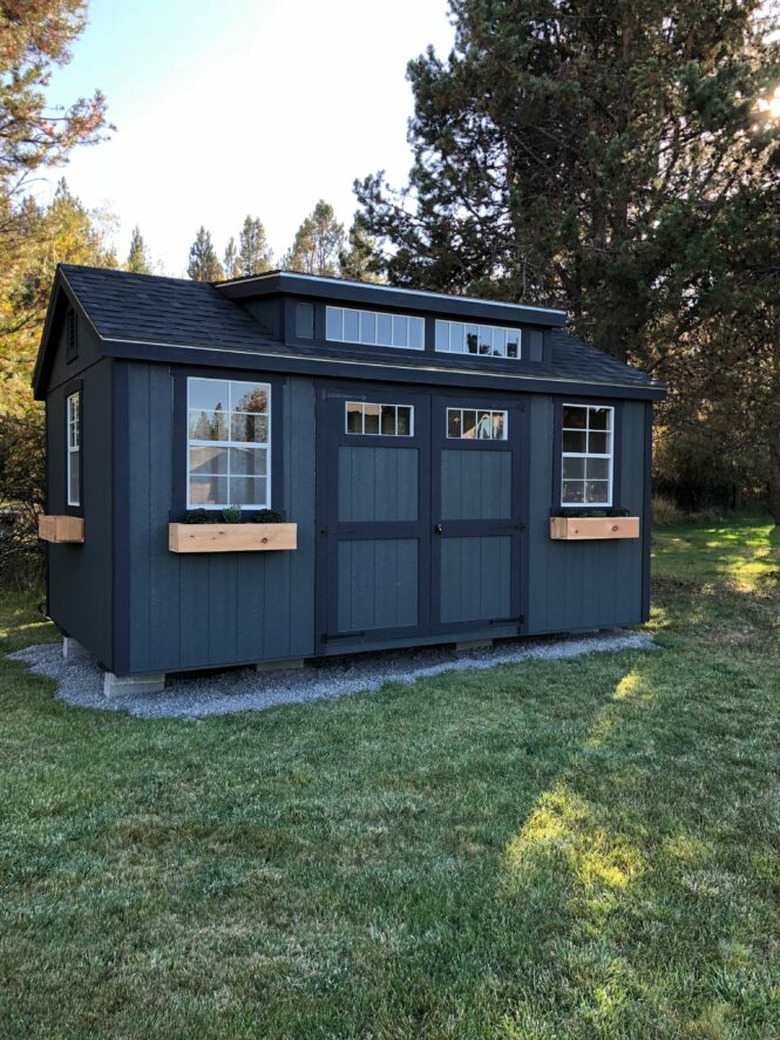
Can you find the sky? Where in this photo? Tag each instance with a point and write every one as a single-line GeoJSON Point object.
{"type": "Point", "coordinates": [258, 107]}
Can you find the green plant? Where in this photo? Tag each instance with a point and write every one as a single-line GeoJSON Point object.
{"type": "Point", "coordinates": [666, 512]}
{"type": "Point", "coordinates": [232, 515]}
{"type": "Point", "coordinates": [198, 516]}
{"type": "Point", "coordinates": [267, 516]}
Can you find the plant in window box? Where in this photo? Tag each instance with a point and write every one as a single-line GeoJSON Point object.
{"type": "Point", "coordinates": [231, 530]}
{"type": "Point", "coordinates": [591, 524]}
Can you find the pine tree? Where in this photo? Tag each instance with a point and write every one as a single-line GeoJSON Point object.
{"type": "Point", "coordinates": [64, 232]}
{"type": "Point", "coordinates": [138, 260]}
{"type": "Point", "coordinates": [318, 244]}
{"type": "Point", "coordinates": [358, 260]}
{"type": "Point", "coordinates": [204, 266]}
{"type": "Point", "coordinates": [230, 260]}
{"type": "Point", "coordinates": [576, 155]}
{"type": "Point", "coordinates": [254, 254]}
{"type": "Point", "coordinates": [35, 37]}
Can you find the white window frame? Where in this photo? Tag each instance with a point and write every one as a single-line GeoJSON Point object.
{"type": "Point", "coordinates": [589, 455]}
{"type": "Point", "coordinates": [367, 328]}
{"type": "Point", "coordinates": [73, 442]}
{"type": "Point", "coordinates": [195, 442]}
{"type": "Point", "coordinates": [484, 426]}
{"type": "Point", "coordinates": [363, 405]}
{"type": "Point", "coordinates": [451, 337]}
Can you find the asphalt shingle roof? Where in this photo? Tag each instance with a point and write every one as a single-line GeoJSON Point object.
{"type": "Point", "coordinates": [174, 311]}
{"type": "Point", "coordinates": [178, 312]}
{"type": "Point", "coordinates": [576, 360]}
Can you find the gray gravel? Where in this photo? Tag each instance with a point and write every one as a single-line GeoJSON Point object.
{"type": "Point", "coordinates": [80, 680]}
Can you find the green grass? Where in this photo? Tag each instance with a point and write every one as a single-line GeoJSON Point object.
{"type": "Point", "coordinates": [574, 849]}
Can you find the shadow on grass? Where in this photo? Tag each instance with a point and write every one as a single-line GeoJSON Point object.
{"type": "Point", "coordinates": [579, 849]}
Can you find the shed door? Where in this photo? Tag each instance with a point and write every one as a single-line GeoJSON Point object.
{"type": "Point", "coordinates": [476, 504]}
{"type": "Point", "coordinates": [418, 505]}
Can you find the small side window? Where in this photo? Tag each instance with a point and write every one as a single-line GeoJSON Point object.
{"type": "Point", "coordinates": [73, 440]}
{"type": "Point", "coordinates": [71, 336]}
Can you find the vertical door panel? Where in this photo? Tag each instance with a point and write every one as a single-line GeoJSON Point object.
{"type": "Point", "coordinates": [476, 578]}
{"type": "Point", "coordinates": [476, 502]}
{"type": "Point", "coordinates": [476, 485]}
{"type": "Point", "coordinates": [374, 526]}
{"type": "Point", "coordinates": [378, 584]}
{"type": "Point", "coordinates": [378, 484]}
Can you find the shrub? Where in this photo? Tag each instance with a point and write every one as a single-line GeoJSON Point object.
{"type": "Point", "coordinates": [22, 495]}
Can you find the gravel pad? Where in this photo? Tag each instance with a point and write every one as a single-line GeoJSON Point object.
{"type": "Point", "coordinates": [80, 680]}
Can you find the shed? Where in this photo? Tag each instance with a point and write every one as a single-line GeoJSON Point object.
{"type": "Point", "coordinates": [442, 470]}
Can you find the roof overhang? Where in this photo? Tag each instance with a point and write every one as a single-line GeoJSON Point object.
{"type": "Point", "coordinates": [222, 356]}
{"type": "Point", "coordinates": [287, 283]}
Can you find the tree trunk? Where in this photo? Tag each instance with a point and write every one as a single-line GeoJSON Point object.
{"type": "Point", "coordinates": [774, 427]}
{"type": "Point", "coordinates": [774, 475]}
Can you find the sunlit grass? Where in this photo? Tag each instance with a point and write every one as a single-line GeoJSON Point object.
{"type": "Point", "coordinates": [566, 849]}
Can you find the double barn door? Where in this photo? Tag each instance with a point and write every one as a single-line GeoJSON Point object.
{"type": "Point", "coordinates": [419, 516]}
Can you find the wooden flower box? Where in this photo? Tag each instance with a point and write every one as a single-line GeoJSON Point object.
{"type": "Point", "coordinates": [201, 538]}
{"type": "Point", "coordinates": [581, 528]}
{"type": "Point", "coordinates": [61, 528]}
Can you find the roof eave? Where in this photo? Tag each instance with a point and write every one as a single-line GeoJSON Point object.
{"type": "Point", "coordinates": [291, 283]}
{"type": "Point", "coordinates": [356, 367]}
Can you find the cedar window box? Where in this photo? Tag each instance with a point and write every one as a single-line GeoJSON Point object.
{"type": "Point", "coordinates": [202, 538]}
{"type": "Point", "coordinates": [61, 529]}
{"type": "Point", "coordinates": [583, 528]}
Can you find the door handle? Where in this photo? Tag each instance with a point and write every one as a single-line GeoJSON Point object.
{"type": "Point", "coordinates": [437, 528]}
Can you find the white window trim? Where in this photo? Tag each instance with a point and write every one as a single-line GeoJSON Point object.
{"type": "Point", "coordinates": [610, 455]}
{"type": "Point", "coordinates": [377, 404]}
{"type": "Point", "coordinates": [342, 337]}
{"type": "Point", "coordinates": [194, 442]}
{"type": "Point", "coordinates": [73, 442]}
{"type": "Point", "coordinates": [481, 425]}
{"type": "Point", "coordinates": [444, 328]}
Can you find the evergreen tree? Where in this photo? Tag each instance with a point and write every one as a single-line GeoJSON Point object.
{"type": "Point", "coordinates": [35, 37]}
{"type": "Point", "coordinates": [254, 254]}
{"type": "Point", "coordinates": [138, 260]}
{"type": "Point", "coordinates": [577, 154]}
{"type": "Point", "coordinates": [64, 232]}
{"type": "Point", "coordinates": [230, 260]}
{"type": "Point", "coordinates": [358, 260]}
{"type": "Point", "coordinates": [204, 266]}
{"type": "Point", "coordinates": [318, 244]}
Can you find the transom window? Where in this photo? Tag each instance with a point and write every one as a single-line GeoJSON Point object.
{"type": "Point", "coordinates": [229, 440]}
{"type": "Point", "coordinates": [587, 461]}
{"type": "Point", "coordinates": [477, 424]}
{"type": "Point", "coordinates": [374, 328]}
{"type": "Point", "coordinates": [458, 337]}
{"type": "Point", "coordinates": [73, 412]}
{"type": "Point", "coordinates": [386, 420]}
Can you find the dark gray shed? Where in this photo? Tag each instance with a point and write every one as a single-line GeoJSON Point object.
{"type": "Point", "coordinates": [445, 470]}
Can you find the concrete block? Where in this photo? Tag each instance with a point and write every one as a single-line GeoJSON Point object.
{"type": "Point", "coordinates": [121, 685]}
{"type": "Point", "coordinates": [473, 644]}
{"type": "Point", "coordinates": [278, 666]}
{"type": "Point", "coordinates": [72, 650]}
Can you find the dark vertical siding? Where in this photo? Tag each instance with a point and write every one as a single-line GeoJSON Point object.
{"type": "Point", "coordinates": [378, 484]}
{"type": "Point", "coordinates": [475, 578]}
{"type": "Point", "coordinates": [80, 576]}
{"type": "Point", "coordinates": [476, 485]}
{"type": "Point", "coordinates": [377, 583]}
{"type": "Point", "coordinates": [213, 609]}
{"type": "Point", "coordinates": [88, 354]}
{"type": "Point", "coordinates": [591, 584]}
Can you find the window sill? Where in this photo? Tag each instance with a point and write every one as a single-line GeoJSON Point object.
{"type": "Point", "coordinates": [201, 538]}
{"type": "Point", "coordinates": [61, 529]}
{"type": "Point", "coordinates": [582, 528]}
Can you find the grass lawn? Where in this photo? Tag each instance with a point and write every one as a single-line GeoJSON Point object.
{"type": "Point", "coordinates": [572, 849]}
